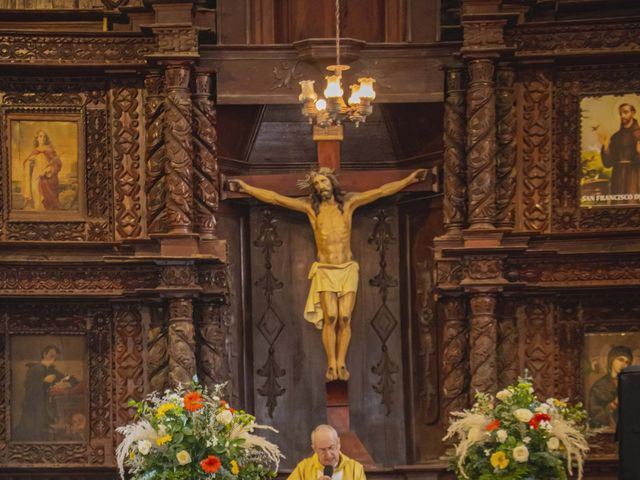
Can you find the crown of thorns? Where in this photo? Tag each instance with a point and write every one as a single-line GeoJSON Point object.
{"type": "Point", "coordinates": [307, 181]}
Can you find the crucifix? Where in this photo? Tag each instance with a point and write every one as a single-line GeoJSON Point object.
{"type": "Point", "coordinates": [329, 208]}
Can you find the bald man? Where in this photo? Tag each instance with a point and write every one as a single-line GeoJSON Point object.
{"type": "Point", "coordinates": [326, 447]}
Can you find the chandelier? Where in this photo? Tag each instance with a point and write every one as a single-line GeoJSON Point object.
{"type": "Point", "coordinates": [333, 110]}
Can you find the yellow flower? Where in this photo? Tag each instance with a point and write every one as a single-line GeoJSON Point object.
{"type": "Point", "coordinates": [164, 408]}
{"type": "Point", "coordinates": [499, 460]}
{"type": "Point", "coordinates": [235, 468]}
{"type": "Point", "coordinates": [163, 439]}
{"type": "Point", "coordinates": [183, 457]}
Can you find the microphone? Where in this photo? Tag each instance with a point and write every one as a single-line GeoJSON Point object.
{"type": "Point", "coordinates": [328, 471]}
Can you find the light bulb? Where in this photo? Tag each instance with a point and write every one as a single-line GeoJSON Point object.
{"type": "Point", "coordinates": [307, 91]}
{"type": "Point", "coordinates": [366, 88]}
{"type": "Point", "coordinates": [354, 99]}
{"type": "Point", "coordinates": [334, 89]}
{"type": "Point", "coordinates": [321, 105]}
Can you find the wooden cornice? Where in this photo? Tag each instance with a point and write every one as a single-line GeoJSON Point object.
{"type": "Point", "coordinates": [270, 74]}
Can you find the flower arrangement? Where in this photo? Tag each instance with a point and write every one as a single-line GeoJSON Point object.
{"type": "Point", "coordinates": [515, 436]}
{"type": "Point", "coordinates": [191, 433]}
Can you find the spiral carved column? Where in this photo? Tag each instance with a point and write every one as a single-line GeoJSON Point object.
{"type": "Point", "coordinates": [155, 187]}
{"type": "Point", "coordinates": [213, 346]}
{"type": "Point", "coordinates": [455, 189]}
{"type": "Point", "coordinates": [481, 144]}
{"type": "Point", "coordinates": [455, 357]}
{"type": "Point", "coordinates": [506, 147]}
{"type": "Point", "coordinates": [181, 342]}
{"type": "Point", "coordinates": [507, 343]}
{"type": "Point", "coordinates": [205, 160]}
{"type": "Point", "coordinates": [157, 347]}
{"type": "Point", "coordinates": [179, 148]}
{"type": "Point", "coordinates": [483, 341]}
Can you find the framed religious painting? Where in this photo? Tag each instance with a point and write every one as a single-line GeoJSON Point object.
{"type": "Point", "coordinates": [56, 400]}
{"type": "Point", "coordinates": [595, 179]}
{"type": "Point", "coordinates": [49, 394]}
{"type": "Point", "coordinates": [45, 152]}
{"type": "Point", "coordinates": [605, 355]}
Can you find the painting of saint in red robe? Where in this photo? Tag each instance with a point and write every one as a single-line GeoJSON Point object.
{"type": "Point", "coordinates": [44, 166]}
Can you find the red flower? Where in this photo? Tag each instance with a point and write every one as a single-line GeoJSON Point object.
{"type": "Point", "coordinates": [211, 464]}
{"type": "Point", "coordinates": [193, 401]}
{"type": "Point", "coordinates": [232, 410]}
{"type": "Point", "coordinates": [537, 419]}
{"type": "Point", "coordinates": [493, 425]}
{"type": "Point", "coordinates": [223, 403]}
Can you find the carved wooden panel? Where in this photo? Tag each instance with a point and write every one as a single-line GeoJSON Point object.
{"type": "Point", "coordinates": [571, 84]}
{"type": "Point", "coordinates": [155, 188]}
{"type": "Point", "coordinates": [128, 167]}
{"type": "Point", "coordinates": [86, 99]}
{"type": "Point", "coordinates": [534, 150]}
{"type": "Point", "coordinates": [539, 345]}
{"type": "Point", "coordinates": [129, 373]}
{"type": "Point", "coordinates": [92, 325]}
{"type": "Point", "coordinates": [63, 49]}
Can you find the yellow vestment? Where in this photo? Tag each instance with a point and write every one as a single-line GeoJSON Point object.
{"type": "Point", "coordinates": [310, 469]}
{"type": "Point", "coordinates": [327, 277]}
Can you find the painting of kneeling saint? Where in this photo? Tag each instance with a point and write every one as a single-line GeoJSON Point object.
{"type": "Point", "coordinates": [606, 354]}
{"type": "Point", "coordinates": [610, 150]}
{"type": "Point", "coordinates": [44, 165]}
{"type": "Point", "coordinates": [49, 401]}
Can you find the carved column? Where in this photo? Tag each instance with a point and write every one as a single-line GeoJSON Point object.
{"type": "Point", "coordinates": [481, 144]}
{"type": "Point", "coordinates": [179, 148]}
{"type": "Point", "coordinates": [506, 147]}
{"type": "Point", "coordinates": [214, 365]}
{"type": "Point", "coordinates": [157, 347]}
{"type": "Point", "coordinates": [205, 160]}
{"type": "Point", "coordinates": [455, 186]}
{"type": "Point", "coordinates": [507, 343]}
{"type": "Point", "coordinates": [181, 341]}
{"type": "Point", "coordinates": [483, 340]}
{"type": "Point", "coordinates": [155, 153]}
{"type": "Point", "coordinates": [455, 357]}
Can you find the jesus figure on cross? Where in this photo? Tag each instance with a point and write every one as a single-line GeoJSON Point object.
{"type": "Point", "coordinates": [334, 276]}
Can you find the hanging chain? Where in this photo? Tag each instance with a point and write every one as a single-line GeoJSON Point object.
{"type": "Point", "coordinates": [338, 32]}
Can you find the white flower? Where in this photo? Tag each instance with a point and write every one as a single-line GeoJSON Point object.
{"type": "Point", "coordinates": [504, 395]}
{"type": "Point", "coordinates": [526, 440]}
{"type": "Point", "coordinates": [144, 446]}
{"type": "Point", "coordinates": [542, 408]}
{"type": "Point", "coordinates": [183, 457]}
{"type": "Point", "coordinates": [520, 454]}
{"type": "Point", "coordinates": [501, 435]}
{"type": "Point", "coordinates": [553, 443]}
{"type": "Point", "coordinates": [487, 452]}
{"type": "Point", "coordinates": [544, 425]}
{"type": "Point", "coordinates": [162, 431]}
{"type": "Point", "coordinates": [225, 417]}
{"type": "Point", "coordinates": [212, 441]}
{"type": "Point", "coordinates": [476, 435]}
{"type": "Point", "coordinates": [523, 414]}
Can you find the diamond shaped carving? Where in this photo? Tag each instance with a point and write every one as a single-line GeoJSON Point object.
{"type": "Point", "coordinates": [270, 325]}
{"type": "Point", "coordinates": [383, 323]}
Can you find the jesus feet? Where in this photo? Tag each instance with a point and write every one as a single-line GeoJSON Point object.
{"type": "Point", "coordinates": [331, 374]}
{"type": "Point", "coordinates": [343, 373]}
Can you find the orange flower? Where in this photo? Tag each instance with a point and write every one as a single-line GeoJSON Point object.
{"type": "Point", "coordinates": [211, 464]}
{"type": "Point", "coordinates": [232, 410]}
{"type": "Point", "coordinates": [193, 401]}
{"type": "Point", "coordinates": [223, 403]}
{"type": "Point", "coordinates": [493, 425]}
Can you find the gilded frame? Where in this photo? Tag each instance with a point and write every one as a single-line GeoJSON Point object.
{"type": "Point", "coordinates": [45, 183]}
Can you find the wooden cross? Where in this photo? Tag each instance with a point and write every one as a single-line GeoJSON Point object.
{"type": "Point", "coordinates": [328, 149]}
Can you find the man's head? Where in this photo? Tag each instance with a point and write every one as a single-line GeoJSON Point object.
{"type": "Point", "coordinates": [326, 445]}
{"type": "Point", "coordinates": [324, 185]}
{"type": "Point", "coordinates": [49, 355]}
{"type": "Point", "coordinates": [627, 113]}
